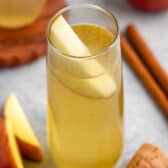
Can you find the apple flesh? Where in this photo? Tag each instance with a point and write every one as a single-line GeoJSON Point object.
{"type": "Point", "coordinates": [26, 139]}
{"type": "Point", "coordinates": [150, 5]}
{"type": "Point", "coordinates": [63, 37]}
{"type": "Point", "coordinates": [9, 152]}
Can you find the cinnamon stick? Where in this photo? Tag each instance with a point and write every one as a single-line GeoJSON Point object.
{"type": "Point", "coordinates": [147, 56]}
{"type": "Point", "coordinates": [137, 65]}
{"type": "Point", "coordinates": [149, 156]}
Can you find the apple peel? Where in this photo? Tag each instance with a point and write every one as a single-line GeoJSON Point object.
{"type": "Point", "coordinates": [26, 139]}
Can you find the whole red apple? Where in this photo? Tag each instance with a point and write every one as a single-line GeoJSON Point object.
{"type": "Point", "coordinates": [150, 5]}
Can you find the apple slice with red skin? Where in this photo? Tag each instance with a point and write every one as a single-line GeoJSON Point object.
{"type": "Point", "coordinates": [9, 151]}
{"type": "Point", "coordinates": [28, 144]}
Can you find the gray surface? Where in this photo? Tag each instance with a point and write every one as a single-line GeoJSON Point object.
{"type": "Point", "coordinates": [143, 120]}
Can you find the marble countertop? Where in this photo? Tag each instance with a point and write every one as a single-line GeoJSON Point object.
{"type": "Point", "coordinates": [144, 121]}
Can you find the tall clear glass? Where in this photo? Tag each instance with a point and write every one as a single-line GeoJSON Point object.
{"type": "Point", "coordinates": [18, 13]}
{"type": "Point", "coordinates": [85, 94]}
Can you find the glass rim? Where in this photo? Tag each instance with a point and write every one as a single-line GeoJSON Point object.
{"type": "Point", "coordinates": [77, 6]}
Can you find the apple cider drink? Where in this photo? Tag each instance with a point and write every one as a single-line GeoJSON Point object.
{"type": "Point", "coordinates": [19, 13]}
{"type": "Point", "coordinates": [85, 93]}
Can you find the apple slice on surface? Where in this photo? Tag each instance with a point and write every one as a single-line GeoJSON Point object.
{"type": "Point", "coordinates": [9, 152]}
{"type": "Point", "coordinates": [64, 38]}
{"type": "Point", "coordinates": [27, 141]}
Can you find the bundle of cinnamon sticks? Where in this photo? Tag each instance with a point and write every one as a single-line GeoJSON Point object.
{"type": "Point", "coordinates": [144, 63]}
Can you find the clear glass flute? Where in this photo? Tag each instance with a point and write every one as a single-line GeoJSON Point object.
{"type": "Point", "coordinates": [18, 13]}
{"type": "Point", "coordinates": [85, 95]}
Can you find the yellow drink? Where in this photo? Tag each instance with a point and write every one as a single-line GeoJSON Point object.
{"type": "Point", "coordinates": [85, 131]}
{"type": "Point", "coordinates": [18, 13]}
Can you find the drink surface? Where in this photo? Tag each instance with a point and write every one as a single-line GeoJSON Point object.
{"type": "Point", "coordinates": [18, 13]}
{"type": "Point", "coordinates": [85, 131]}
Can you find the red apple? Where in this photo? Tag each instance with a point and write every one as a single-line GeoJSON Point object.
{"type": "Point", "coordinates": [150, 5]}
